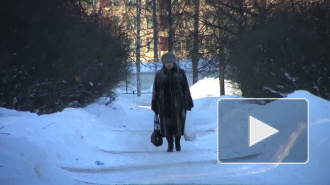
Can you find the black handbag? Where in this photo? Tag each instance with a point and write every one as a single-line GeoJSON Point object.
{"type": "Point", "coordinates": [156, 136]}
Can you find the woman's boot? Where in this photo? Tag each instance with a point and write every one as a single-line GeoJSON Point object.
{"type": "Point", "coordinates": [170, 143]}
{"type": "Point", "coordinates": [177, 143]}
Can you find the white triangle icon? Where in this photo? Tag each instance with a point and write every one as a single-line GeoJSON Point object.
{"type": "Point", "coordinates": [259, 131]}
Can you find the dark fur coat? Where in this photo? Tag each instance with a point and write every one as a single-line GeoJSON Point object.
{"type": "Point", "coordinates": [170, 99]}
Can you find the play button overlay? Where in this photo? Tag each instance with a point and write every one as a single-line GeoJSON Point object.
{"type": "Point", "coordinates": [259, 131]}
{"type": "Point", "coordinates": [263, 131]}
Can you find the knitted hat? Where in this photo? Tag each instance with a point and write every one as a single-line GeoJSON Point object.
{"type": "Point", "coordinates": [168, 57]}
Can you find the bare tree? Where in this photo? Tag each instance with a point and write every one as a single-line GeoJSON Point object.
{"type": "Point", "coordinates": [138, 47]}
{"type": "Point", "coordinates": [155, 31]}
{"type": "Point", "coordinates": [195, 51]}
{"type": "Point", "coordinates": [171, 32]}
{"type": "Point", "coordinates": [223, 21]}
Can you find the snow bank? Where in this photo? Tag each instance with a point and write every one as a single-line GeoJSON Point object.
{"type": "Point", "coordinates": [210, 87]}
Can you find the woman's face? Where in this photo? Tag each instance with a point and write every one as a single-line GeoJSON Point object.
{"type": "Point", "coordinates": [169, 65]}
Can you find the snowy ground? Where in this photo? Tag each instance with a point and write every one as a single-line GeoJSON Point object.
{"type": "Point", "coordinates": [111, 145]}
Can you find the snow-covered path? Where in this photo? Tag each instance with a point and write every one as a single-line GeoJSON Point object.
{"type": "Point", "coordinates": [135, 160]}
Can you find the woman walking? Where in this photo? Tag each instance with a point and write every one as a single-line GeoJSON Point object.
{"type": "Point", "coordinates": [171, 99]}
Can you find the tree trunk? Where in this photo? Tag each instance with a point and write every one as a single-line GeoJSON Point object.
{"type": "Point", "coordinates": [262, 12]}
{"type": "Point", "coordinates": [154, 14]}
{"type": "Point", "coordinates": [222, 60]}
{"type": "Point", "coordinates": [138, 47]}
{"type": "Point", "coordinates": [195, 52]}
{"type": "Point", "coordinates": [171, 32]}
{"type": "Point", "coordinates": [222, 77]}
